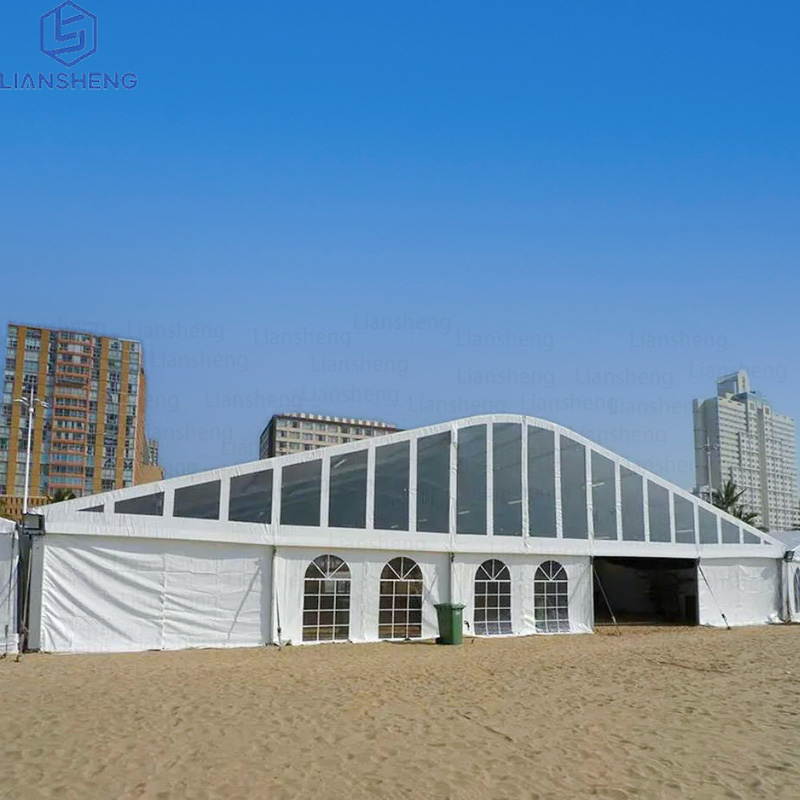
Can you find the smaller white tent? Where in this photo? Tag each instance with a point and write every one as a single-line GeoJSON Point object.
{"type": "Point", "coordinates": [793, 587]}
{"type": "Point", "coordinates": [791, 574]}
{"type": "Point", "coordinates": [8, 587]}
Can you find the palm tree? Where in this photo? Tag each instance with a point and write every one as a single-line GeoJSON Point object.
{"type": "Point", "coordinates": [728, 497]}
{"type": "Point", "coordinates": [728, 500]}
{"type": "Point", "coordinates": [61, 495]}
{"type": "Point", "coordinates": [748, 517]}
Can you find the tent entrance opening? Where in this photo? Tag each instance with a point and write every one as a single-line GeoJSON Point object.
{"type": "Point", "coordinates": [645, 591]}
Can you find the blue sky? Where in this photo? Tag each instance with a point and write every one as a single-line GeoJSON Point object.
{"type": "Point", "coordinates": [416, 211]}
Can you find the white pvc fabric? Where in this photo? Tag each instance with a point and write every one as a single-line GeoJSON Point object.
{"type": "Point", "coordinates": [793, 590]}
{"type": "Point", "coordinates": [365, 567]}
{"type": "Point", "coordinates": [122, 595]}
{"type": "Point", "coordinates": [9, 559]}
{"type": "Point", "coordinates": [523, 572]}
{"type": "Point", "coordinates": [745, 590]}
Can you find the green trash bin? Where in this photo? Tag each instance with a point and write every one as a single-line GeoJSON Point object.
{"type": "Point", "coordinates": [451, 623]}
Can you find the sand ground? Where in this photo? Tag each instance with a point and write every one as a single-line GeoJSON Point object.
{"type": "Point", "coordinates": [653, 712]}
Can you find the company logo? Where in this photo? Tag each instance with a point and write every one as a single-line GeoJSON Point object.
{"type": "Point", "coordinates": [68, 34]}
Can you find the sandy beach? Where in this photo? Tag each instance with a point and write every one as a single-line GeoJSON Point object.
{"type": "Point", "coordinates": [652, 712]}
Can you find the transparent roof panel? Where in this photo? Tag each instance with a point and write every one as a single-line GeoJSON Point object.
{"type": "Point", "coordinates": [730, 532]}
{"type": "Point", "coordinates": [251, 497]}
{"type": "Point", "coordinates": [750, 538]}
{"type": "Point", "coordinates": [348, 491]}
{"type": "Point", "coordinates": [471, 480]}
{"type": "Point", "coordinates": [300, 494]}
{"type": "Point", "coordinates": [573, 489]}
{"type": "Point", "coordinates": [684, 520]}
{"type": "Point", "coordinates": [604, 497]}
{"type": "Point", "coordinates": [151, 505]}
{"type": "Point", "coordinates": [658, 510]}
{"type": "Point", "coordinates": [708, 527]}
{"type": "Point", "coordinates": [433, 483]}
{"type": "Point", "coordinates": [200, 501]}
{"type": "Point", "coordinates": [392, 464]}
{"type": "Point", "coordinates": [507, 478]}
{"type": "Point", "coordinates": [632, 495]}
{"type": "Point", "coordinates": [541, 482]}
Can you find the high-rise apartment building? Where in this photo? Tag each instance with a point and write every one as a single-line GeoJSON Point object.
{"type": "Point", "coordinates": [152, 451]}
{"type": "Point", "coordinates": [151, 469]}
{"type": "Point", "coordinates": [738, 436]}
{"type": "Point", "coordinates": [90, 436]}
{"type": "Point", "coordinates": [293, 433]}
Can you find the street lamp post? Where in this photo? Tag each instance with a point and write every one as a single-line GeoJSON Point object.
{"type": "Point", "coordinates": [708, 447]}
{"type": "Point", "coordinates": [30, 405]}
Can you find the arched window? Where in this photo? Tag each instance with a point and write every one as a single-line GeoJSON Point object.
{"type": "Point", "coordinates": [401, 600]}
{"type": "Point", "coordinates": [797, 591]}
{"type": "Point", "coordinates": [551, 598]}
{"type": "Point", "coordinates": [492, 599]}
{"type": "Point", "coordinates": [326, 601]}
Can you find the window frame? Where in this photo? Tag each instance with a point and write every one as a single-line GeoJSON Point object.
{"type": "Point", "coordinates": [492, 576]}
{"type": "Point", "coordinates": [551, 598]}
{"type": "Point", "coordinates": [323, 570]}
{"type": "Point", "coordinates": [406, 571]}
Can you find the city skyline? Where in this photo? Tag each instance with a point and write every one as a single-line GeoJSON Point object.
{"type": "Point", "coordinates": [612, 406]}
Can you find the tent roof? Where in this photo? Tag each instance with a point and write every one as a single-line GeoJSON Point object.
{"type": "Point", "coordinates": [790, 538]}
{"type": "Point", "coordinates": [71, 516]}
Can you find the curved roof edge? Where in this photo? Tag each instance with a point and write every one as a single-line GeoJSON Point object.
{"type": "Point", "coordinates": [56, 510]}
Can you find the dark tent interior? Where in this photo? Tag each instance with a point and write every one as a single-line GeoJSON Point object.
{"type": "Point", "coordinates": [645, 591]}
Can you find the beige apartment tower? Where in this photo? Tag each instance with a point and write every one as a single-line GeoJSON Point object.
{"type": "Point", "coordinates": [294, 433]}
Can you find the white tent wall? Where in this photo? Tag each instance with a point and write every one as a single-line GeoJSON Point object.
{"type": "Point", "coordinates": [125, 594]}
{"type": "Point", "coordinates": [8, 588]}
{"type": "Point", "coordinates": [793, 590]}
{"type": "Point", "coordinates": [746, 590]}
{"type": "Point", "coordinates": [365, 568]}
{"type": "Point", "coordinates": [523, 571]}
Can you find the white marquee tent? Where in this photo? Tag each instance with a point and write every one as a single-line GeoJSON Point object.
{"type": "Point", "coordinates": [533, 528]}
